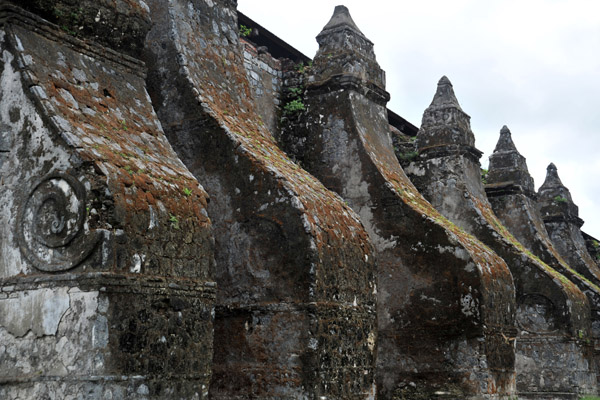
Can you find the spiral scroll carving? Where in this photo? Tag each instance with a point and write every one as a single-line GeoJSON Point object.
{"type": "Point", "coordinates": [51, 224]}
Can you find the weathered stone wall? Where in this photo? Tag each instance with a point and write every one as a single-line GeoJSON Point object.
{"type": "Point", "coordinates": [512, 196]}
{"type": "Point", "coordinates": [551, 311]}
{"type": "Point", "coordinates": [295, 269]}
{"type": "Point", "coordinates": [106, 254]}
{"type": "Point", "coordinates": [122, 278]}
{"type": "Point", "coordinates": [445, 302]}
{"type": "Point", "coordinates": [265, 75]}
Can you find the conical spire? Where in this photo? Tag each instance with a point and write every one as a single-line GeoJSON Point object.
{"type": "Point", "coordinates": [341, 19]}
{"type": "Point", "coordinates": [346, 58]}
{"type": "Point", "coordinates": [444, 122]}
{"type": "Point", "coordinates": [555, 199]}
{"type": "Point", "coordinates": [508, 168]}
{"type": "Point", "coordinates": [552, 178]}
{"type": "Point", "coordinates": [505, 143]}
{"type": "Point", "coordinates": [444, 95]}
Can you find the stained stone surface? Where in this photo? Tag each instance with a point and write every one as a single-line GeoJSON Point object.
{"type": "Point", "coordinates": [511, 193]}
{"type": "Point", "coordinates": [119, 24]}
{"type": "Point", "coordinates": [553, 315]}
{"type": "Point", "coordinates": [562, 222]}
{"type": "Point", "coordinates": [445, 301]}
{"type": "Point", "coordinates": [295, 268]}
{"type": "Point", "coordinates": [121, 277]}
{"type": "Point", "coordinates": [561, 217]}
{"type": "Point", "coordinates": [106, 264]}
{"type": "Point", "coordinates": [593, 246]}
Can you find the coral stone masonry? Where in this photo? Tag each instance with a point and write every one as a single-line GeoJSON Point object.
{"type": "Point", "coordinates": [193, 209]}
{"type": "Point", "coordinates": [552, 312]}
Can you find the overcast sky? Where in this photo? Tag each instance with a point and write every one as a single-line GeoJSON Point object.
{"type": "Point", "coordinates": [533, 65]}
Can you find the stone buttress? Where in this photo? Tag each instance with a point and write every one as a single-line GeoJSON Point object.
{"type": "Point", "coordinates": [561, 218]}
{"type": "Point", "coordinates": [106, 251]}
{"type": "Point", "coordinates": [445, 301]}
{"type": "Point", "coordinates": [553, 315]}
{"type": "Point", "coordinates": [294, 266]}
{"type": "Point", "coordinates": [512, 195]}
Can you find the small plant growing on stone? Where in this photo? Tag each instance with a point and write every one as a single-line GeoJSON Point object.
{"type": "Point", "coordinates": [245, 31]}
{"type": "Point", "coordinates": [408, 156]}
{"type": "Point", "coordinates": [174, 221]}
{"type": "Point", "coordinates": [559, 199]}
{"type": "Point", "coordinates": [295, 91]}
{"type": "Point", "coordinates": [293, 107]}
{"type": "Point", "coordinates": [187, 191]}
{"type": "Point", "coordinates": [484, 174]}
{"type": "Point", "coordinates": [595, 244]}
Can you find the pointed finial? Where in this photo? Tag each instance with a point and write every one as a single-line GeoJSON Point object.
{"type": "Point", "coordinates": [444, 96]}
{"type": "Point", "coordinates": [444, 81]}
{"type": "Point", "coordinates": [552, 178]}
{"type": "Point", "coordinates": [555, 199]}
{"type": "Point", "coordinates": [341, 19]}
{"type": "Point", "coordinates": [345, 52]}
{"type": "Point", "coordinates": [505, 142]}
{"type": "Point", "coordinates": [509, 167]}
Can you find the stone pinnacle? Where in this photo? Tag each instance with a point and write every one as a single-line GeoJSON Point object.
{"type": "Point", "coordinates": [341, 18]}
{"type": "Point", "coordinates": [505, 142]}
{"type": "Point", "coordinates": [552, 178]}
{"type": "Point", "coordinates": [444, 96]}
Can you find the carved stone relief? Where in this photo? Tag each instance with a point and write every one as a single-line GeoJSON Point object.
{"type": "Point", "coordinates": [51, 224]}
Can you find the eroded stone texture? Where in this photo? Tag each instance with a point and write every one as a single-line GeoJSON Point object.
{"type": "Point", "coordinates": [593, 246]}
{"type": "Point", "coordinates": [295, 268]}
{"type": "Point", "coordinates": [119, 24]}
{"type": "Point", "coordinates": [106, 254]}
{"type": "Point", "coordinates": [512, 195]}
{"type": "Point", "coordinates": [264, 75]}
{"type": "Point", "coordinates": [445, 301]}
{"type": "Point", "coordinates": [553, 315]}
{"type": "Point", "coordinates": [561, 217]}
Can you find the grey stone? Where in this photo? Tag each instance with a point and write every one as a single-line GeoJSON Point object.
{"type": "Point", "coordinates": [551, 309]}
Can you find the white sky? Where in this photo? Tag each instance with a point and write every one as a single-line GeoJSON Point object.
{"type": "Point", "coordinates": [533, 65]}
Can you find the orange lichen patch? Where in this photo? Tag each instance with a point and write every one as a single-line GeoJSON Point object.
{"type": "Point", "coordinates": [331, 221]}
{"type": "Point", "coordinates": [114, 127]}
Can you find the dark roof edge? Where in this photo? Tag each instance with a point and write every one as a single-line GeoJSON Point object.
{"type": "Point", "coordinates": [587, 236]}
{"type": "Point", "coordinates": [261, 36]}
{"type": "Point", "coordinates": [401, 124]}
